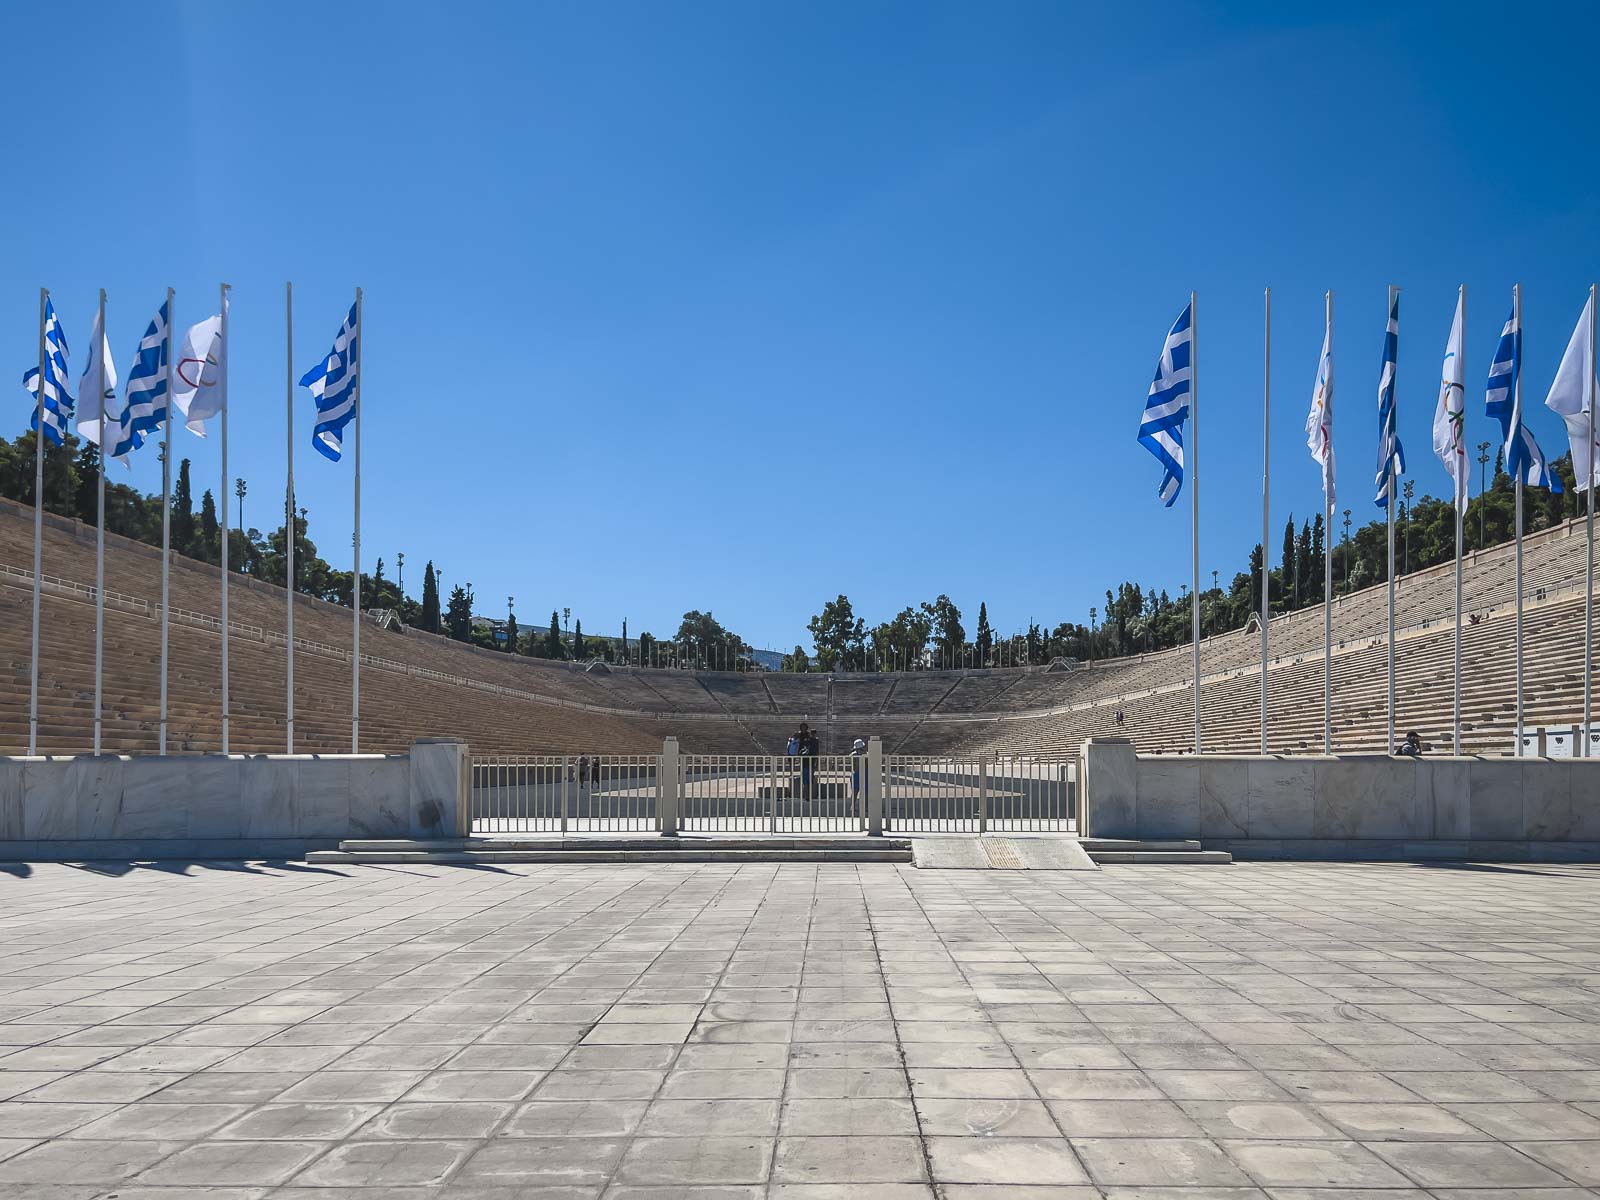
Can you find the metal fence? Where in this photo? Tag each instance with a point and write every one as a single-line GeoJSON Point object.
{"type": "Point", "coordinates": [772, 794]}
{"type": "Point", "coordinates": [616, 793]}
{"type": "Point", "coordinates": [761, 793]}
{"type": "Point", "coordinates": [984, 794]}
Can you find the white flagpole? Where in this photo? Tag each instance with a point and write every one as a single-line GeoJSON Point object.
{"type": "Point", "coordinates": [289, 528]}
{"type": "Point", "coordinates": [223, 557]}
{"type": "Point", "coordinates": [38, 532]}
{"type": "Point", "coordinates": [1461, 464]}
{"type": "Point", "coordinates": [1394, 419]}
{"type": "Point", "coordinates": [166, 524]}
{"type": "Point", "coordinates": [100, 534]}
{"type": "Point", "coordinates": [355, 579]}
{"type": "Point", "coordinates": [1194, 497]}
{"type": "Point", "coordinates": [1266, 494]}
{"type": "Point", "coordinates": [1588, 569]}
{"type": "Point", "coordinates": [1327, 577]}
{"type": "Point", "coordinates": [1516, 432]}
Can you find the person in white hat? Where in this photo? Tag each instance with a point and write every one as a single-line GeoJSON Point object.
{"type": "Point", "coordinates": [858, 751]}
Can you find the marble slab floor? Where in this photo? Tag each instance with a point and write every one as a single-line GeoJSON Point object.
{"type": "Point", "coordinates": [805, 1032]}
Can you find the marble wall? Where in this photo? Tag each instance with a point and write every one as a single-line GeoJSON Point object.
{"type": "Point", "coordinates": [1359, 802]}
{"type": "Point", "coordinates": [215, 805]}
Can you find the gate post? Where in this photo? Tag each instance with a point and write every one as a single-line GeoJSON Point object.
{"type": "Point", "coordinates": [983, 795]}
{"type": "Point", "coordinates": [874, 784]}
{"type": "Point", "coordinates": [667, 789]}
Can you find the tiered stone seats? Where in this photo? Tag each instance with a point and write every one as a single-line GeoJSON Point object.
{"type": "Point", "coordinates": [804, 695]}
{"type": "Point", "coordinates": [858, 695]}
{"type": "Point", "coordinates": [1163, 720]}
{"type": "Point", "coordinates": [564, 707]}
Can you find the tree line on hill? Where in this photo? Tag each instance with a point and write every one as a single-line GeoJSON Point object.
{"type": "Point", "coordinates": [1140, 618]}
{"type": "Point", "coordinates": [71, 475]}
{"type": "Point", "coordinates": [1136, 618]}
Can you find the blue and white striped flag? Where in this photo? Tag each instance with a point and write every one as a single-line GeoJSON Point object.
{"type": "Point", "coordinates": [145, 401]}
{"type": "Point", "coordinates": [1391, 457]}
{"type": "Point", "coordinates": [57, 400]}
{"type": "Point", "coordinates": [1167, 408]}
{"type": "Point", "coordinates": [333, 383]}
{"type": "Point", "coordinates": [1523, 458]}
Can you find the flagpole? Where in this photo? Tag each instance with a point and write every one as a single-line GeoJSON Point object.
{"type": "Point", "coordinates": [1266, 491]}
{"type": "Point", "coordinates": [1394, 422]}
{"type": "Point", "coordinates": [223, 558]}
{"type": "Point", "coordinates": [38, 531]}
{"type": "Point", "coordinates": [1461, 487]}
{"type": "Point", "coordinates": [291, 531]}
{"type": "Point", "coordinates": [1588, 569]}
{"type": "Point", "coordinates": [100, 534]}
{"type": "Point", "coordinates": [166, 524]}
{"type": "Point", "coordinates": [355, 580]}
{"type": "Point", "coordinates": [1327, 570]}
{"type": "Point", "coordinates": [1194, 497]}
{"type": "Point", "coordinates": [1516, 432]}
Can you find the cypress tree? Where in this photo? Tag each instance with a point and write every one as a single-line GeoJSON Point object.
{"type": "Point", "coordinates": [430, 599]}
{"type": "Point", "coordinates": [985, 635]}
{"type": "Point", "coordinates": [577, 641]}
{"type": "Point", "coordinates": [183, 512]}
{"type": "Point", "coordinates": [210, 546]}
{"type": "Point", "coordinates": [552, 641]}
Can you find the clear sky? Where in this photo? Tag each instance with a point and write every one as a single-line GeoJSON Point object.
{"type": "Point", "coordinates": [739, 306]}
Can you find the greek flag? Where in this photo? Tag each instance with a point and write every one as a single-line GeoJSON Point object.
{"type": "Point", "coordinates": [1391, 458]}
{"type": "Point", "coordinates": [145, 400]}
{"type": "Point", "coordinates": [1523, 458]}
{"type": "Point", "coordinates": [57, 400]}
{"type": "Point", "coordinates": [333, 384]}
{"type": "Point", "coordinates": [1167, 408]}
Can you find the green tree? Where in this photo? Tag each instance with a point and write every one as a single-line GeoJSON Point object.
{"type": "Point", "coordinates": [209, 544]}
{"type": "Point", "coordinates": [704, 638]}
{"type": "Point", "coordinates": [86, 501]}
{"type": "Point", "coordinates": [945, 621]}
{"type": "Point", "coordinates": [578, 654]}
{"type": "Point", "coordinates": [553, 646]}
{"type": "Point", "coordinates": [838, 635]}
{"type": "Point", "coordinates": [430, 599]}
{"type": "Point", "coordinates": [983, 640]}
{"type": "Point", "coordinates": [511, 631]}
{"type": "Point", "coordinates": [458, 613]}
{"type": "Point", "coordinates": [798, 661]}
{"type": "Point", "coordinates": [182, 512]}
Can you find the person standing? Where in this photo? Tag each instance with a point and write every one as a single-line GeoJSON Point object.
{"type": "Point", "coordinates": [809, 746]}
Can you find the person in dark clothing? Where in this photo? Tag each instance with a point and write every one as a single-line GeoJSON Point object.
{"type": "Point", "coordinates": [1412, 746]}
{"type": "Point", "coordinates": [809, 747]}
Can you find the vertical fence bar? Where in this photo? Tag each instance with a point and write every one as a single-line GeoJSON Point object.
{"type": "Point", "coordinates": [983, 796]}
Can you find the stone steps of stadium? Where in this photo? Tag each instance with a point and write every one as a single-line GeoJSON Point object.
{"type": "Point", "coordinates": [643, 848]}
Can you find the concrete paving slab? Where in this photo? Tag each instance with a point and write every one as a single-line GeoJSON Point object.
{"type": "Point", "coordinates": [1298, 1031]}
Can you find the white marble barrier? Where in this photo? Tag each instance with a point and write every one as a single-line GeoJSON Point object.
{"type": "Point", "coordinates": [243, 802]}
{"type": "Point", "coordinates": [1339, 800]}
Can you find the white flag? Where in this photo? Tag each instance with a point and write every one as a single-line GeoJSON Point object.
{"type": "Point", "coordinates": [1572, 395]}
{"type": "Point", "coordinates": [1319, 422]}
{"type": "Point", "coordinates": [197, 375]}
{"type": "Point", "coordinates": [99, 359]}
{"type": "Point", "coordinates": [1449, 433]}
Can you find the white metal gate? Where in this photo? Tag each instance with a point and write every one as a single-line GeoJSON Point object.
{"type": "Point", "coordinates": [771, 794]}
{"type": "Point", "coordinates": [576, 793]}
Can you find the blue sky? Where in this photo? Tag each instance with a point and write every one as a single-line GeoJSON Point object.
{"type": "Point", "coordinates": [740, 306]}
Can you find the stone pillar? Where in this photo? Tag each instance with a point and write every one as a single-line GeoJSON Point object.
{"type": "Point", "coordinates": [667, 788]}
{"type": "Point", "coordinates": [874, 786]}
{"type": "Point", "coordinates": [441, 788]}
{"type": "Point", "coordinates": [1108, 789]}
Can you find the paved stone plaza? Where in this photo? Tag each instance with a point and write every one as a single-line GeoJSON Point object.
{"type": "Point", "coordinates": [797, 1031]}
